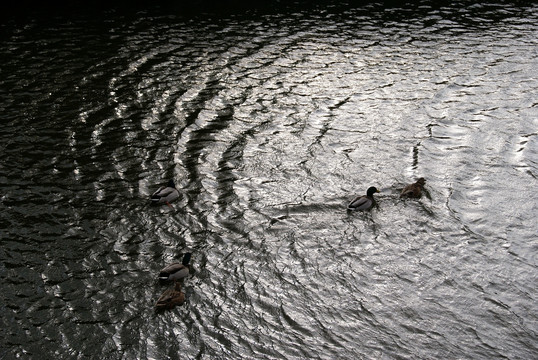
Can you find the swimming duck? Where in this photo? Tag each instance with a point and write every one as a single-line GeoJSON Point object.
{"type": "Point", "coordinates": [170, 298]}
{"type": "Point", "coordinates": [165, 194]}
{"type": "Point", "coordinates": [176, 271]}
{"type": "Point", "coordinates": [363, 202]}
{"type": "Point", "coordinates": [413, 190]}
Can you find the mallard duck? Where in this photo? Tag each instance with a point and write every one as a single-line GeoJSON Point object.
{"type": "Point", "coordinates": [413, 190]}
{"type": "Point", "coordinates": [176, 271]}
{"type": "Point", "coordinates": [165, 194]}
{"type": "Point", "coordinates": [363, 202]}
{"type": "Point", "coordinates": [170, 298]}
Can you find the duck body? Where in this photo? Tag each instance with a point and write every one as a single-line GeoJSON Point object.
{"type": "Point", "coordinates": [170, 297]}
{"type": "Point", "coordinates": [363, 202]}
{"type": "Point", "coordinates": [176, 271]}
{"type": "Point", "coordinates": [165, 194]}
{"type": "Point", "coordinates": [413, 190]}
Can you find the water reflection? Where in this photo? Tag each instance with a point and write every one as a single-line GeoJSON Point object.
{"type": "Point", "coordinates": [269, 123]}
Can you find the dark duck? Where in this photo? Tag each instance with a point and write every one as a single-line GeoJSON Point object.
{"type": "Point", "coordinates": [413, 190]}
{"type": "Point", "coordinates": [170, 297]}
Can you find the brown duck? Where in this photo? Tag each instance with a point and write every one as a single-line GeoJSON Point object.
{"type": "Point", "coordinates": [170, 298]}
{"type": "Point", "coordinates": [413, 190]}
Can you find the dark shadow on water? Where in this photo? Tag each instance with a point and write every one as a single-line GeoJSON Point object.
{"type": "Point", "coordinates": [471, 14]}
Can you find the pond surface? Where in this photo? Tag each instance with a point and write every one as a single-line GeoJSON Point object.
{"type": "Point", "coordinates": [270, 121]}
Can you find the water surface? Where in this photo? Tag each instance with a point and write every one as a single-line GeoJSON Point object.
{"type": "Point", "coordinates": [270, 121]}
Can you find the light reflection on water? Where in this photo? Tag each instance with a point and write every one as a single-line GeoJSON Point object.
{"type": "Point", "coordinates": [269, 124]}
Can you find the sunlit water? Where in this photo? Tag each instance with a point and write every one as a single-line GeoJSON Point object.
{"type": "Point", "coordinates": [269, 123]}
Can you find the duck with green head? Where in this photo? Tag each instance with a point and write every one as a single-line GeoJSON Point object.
{"type": "Point", "coordinates": [363, 202]}
{"type": "Point", "coordinates": [176, 271]}
{"type": "Point", "coordinates": [165, 194]}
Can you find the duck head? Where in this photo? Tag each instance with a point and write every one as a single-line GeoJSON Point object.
{"type": "Point", "coordinates": [186, 259]}
{"type": "Point", "coordinates": [171, 184]}
{"type": "Point", "coordinates": [371, 191]}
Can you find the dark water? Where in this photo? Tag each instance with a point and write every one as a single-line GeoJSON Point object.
{"type": "Point", "coordinates": [269, 121]}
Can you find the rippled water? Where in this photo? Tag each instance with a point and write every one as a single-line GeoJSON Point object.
{"type": "Point", "coordinates": [270, 122]}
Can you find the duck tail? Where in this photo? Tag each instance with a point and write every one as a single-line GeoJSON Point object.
{"type": "Point", "coordinates": [163, 276]}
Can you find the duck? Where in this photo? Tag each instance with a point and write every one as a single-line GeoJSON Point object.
{"type": "Point", "coordinates": [170, 297]}
{"type": "Point", "coordinates": [176, 271]}
{"type": "Point", "coordinates": [165, 194]}
{"type": "Point", "coordinates": [364, 202]}
{"type": "Point", "coordinates": [413, 190]}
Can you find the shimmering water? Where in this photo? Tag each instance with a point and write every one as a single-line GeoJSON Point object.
{"type": "Point", "coordinates": [270, 121]}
